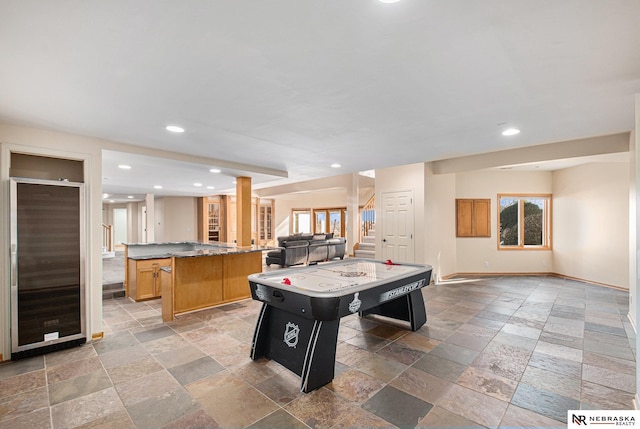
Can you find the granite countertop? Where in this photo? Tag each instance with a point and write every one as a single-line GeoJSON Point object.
{"type": "Point", "coordinates": [167, 250]}
{"type": "Point", "coordinates": [154, 256]}
{"type": "Point", "coordinates": [221, 251]}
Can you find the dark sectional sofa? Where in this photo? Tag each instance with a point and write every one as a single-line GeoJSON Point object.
{"type": "Point", "coordinates": [306, 248]}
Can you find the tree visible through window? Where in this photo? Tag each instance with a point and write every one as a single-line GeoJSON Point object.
{"type": "Point", "coordinates": [524, 221]}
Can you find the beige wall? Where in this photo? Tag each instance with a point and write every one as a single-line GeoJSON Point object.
{"type": "Point", "coordinates": [480, 255]}
{"type": "Point", "coordinates": [439, 223]}
{"type": "Point", "coordinates": [435, 223]}
{"type": "Point", "coordinates": [591, 223]}
{"type": "Point", "coordinates": [176, 219]}
{"type": "Point", "coordinates": [306, 200]}
{"type": "Point", "coordinates": [404, 178]}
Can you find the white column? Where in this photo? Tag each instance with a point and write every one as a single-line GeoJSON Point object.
{"type": "Point", "coordinates": [150, 230]}
{"type": "Point", "coordinates": [353, 208]}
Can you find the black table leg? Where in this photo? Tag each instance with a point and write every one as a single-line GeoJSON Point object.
{"type": "Point", "coordinates": [304, 346]}
{"type": "Point", "coordinates": [409, 308]}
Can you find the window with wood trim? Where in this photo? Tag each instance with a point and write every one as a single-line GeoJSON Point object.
{"type": "Point", "coordinates": [330, 221]}
{"type": "Point", "coordinates": [473, 218]}
{"type": "Point", "coordinates": [524, 221]}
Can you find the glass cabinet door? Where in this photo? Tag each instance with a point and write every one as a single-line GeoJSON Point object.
{"type": "Point", "coordinates": [214, 222]}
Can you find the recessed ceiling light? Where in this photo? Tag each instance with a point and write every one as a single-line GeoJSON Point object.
{"type": "Point", "coordinates": [197, 185]}
{"type": "Point", "coordinates": [105, 195]}
{"type": "Point", "coordinates": [234, 182]}
{"type": "Point", "coordinates": [124, 167]}
{"type": "Point", "coordinates": [511, 132]}
{"type": "Point", "coordinates": [388, 1]}
{"type": "Point", "coordinates": [157, 186]}
{"type": "Point", "coordinates": [112, 201]}
{"type": "Point", "coordinates": [211, 187]}
{"type": "Point", "coordinates": [174, 129]}
{"type": "Point", "coordinates": [214, 170]}
{"type": "Point", "coordinates": [130, 197]}
{"type": "Point", "coordinates": [336, 165]}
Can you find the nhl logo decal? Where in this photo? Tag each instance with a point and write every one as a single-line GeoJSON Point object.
{"type": "Point", "coordinates": [291, 334]}
{"type": "Point", "coordinates": [355, 304]}
{"type": "Point", "coordinates": [261, 293]}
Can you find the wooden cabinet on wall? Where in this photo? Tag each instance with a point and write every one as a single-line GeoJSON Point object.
{"type": "Point", "coordinates": [473, 218]}
{"type": "Point", "coordinates": [217, 221]}
{"type": "Point", "coordinates": [143, 280]}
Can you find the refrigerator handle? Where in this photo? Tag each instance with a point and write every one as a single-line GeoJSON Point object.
{"type": "Point", "coordinates": [14, 266]}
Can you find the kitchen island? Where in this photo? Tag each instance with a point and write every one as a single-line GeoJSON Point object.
{"type": "Point", "coordinates": [190, 276]}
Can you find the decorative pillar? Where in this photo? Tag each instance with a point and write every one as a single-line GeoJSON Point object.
{"type": "Point", "coordinates": [243, 211]}
{"type": "Point", "coordinates": [353, 210]}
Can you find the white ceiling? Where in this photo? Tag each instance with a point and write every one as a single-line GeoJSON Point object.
{"type": "Point", "coordinates": [298, 85]}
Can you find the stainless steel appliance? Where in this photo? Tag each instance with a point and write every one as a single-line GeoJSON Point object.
{"type": "Point", "coordinates": [47, 266]}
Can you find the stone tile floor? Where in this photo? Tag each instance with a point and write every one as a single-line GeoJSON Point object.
{"type": "Point", "coordinates": [495, 352]}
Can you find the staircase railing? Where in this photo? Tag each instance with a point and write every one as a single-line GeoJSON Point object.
{"type": "Point", "coordinates": [107, 238]}
{"type": "Point", "coordinates": [367, 217]}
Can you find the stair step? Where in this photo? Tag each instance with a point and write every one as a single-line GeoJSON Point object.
{"type": "Point", "coordinates": [113, 286]}
{"type": "Point", "coordinates": [367, 246]}
{"type": "Point", "coordinates": [369, 254]}
{"type": "Point", "coordinates": [369, 239]}
{"type": "Point", "coordinates": [113, 293]}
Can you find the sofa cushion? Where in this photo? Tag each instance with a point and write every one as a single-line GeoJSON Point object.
{"type": "Point", "coordinates": [295, 243]}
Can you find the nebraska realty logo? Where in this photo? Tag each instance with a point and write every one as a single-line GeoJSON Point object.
{"type": "Point", "coordinates": [602, 418]}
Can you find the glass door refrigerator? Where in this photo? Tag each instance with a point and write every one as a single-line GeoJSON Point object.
{"type": "Point", "coordinates": [47, 266]}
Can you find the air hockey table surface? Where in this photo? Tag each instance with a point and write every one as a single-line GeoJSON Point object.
{"type": "Point", "coordinates": [339, 277]}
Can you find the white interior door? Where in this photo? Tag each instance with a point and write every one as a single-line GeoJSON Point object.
{"type": "Point", "coordinates": [397, 226]}
{"type": "Point", "coordinates": [119, 227]}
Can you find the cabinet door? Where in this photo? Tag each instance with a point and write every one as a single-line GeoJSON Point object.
{"type": "Point", "coordinates": [146, 282]}
{"type": "Point", "coordinates": [157, 285]}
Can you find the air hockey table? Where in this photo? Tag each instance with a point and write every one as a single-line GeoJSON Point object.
{"type": "Point", "coordinates": [301, 309]}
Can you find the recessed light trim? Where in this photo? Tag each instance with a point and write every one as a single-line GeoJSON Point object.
{"type": "Point", "coordinates": [197, 184]}
{"type": "Point", "coordinates": [511, 132]}
{"type": "Point", "coordinates": [130, 197]}
{"type": "Point", "coordinates": [157, 186]}
{"type": "Point", "coordinates": [211, 187]}
{"type": "Point", "coordinates": [214, 170]}
{"type": "Point", "coordinates": [335, 165]}
{"type": "Point", "coordinates": [124, 167]}
{"type": "Point", "coordinates": [174, 129]}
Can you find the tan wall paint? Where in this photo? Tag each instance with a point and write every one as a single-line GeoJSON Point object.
{"type": "Point", "coordinates": [404, 178]}
{"type": "Point", "coordinates": [439, 223]}
{"type": "Point", "coordinates": [312, 200]}
{"type": "Point", "coordinates": [591, 223]}
{"type": "Point", "coordinates": [478, 255]}
{"type": "Point", "coordinates": [178, 216]}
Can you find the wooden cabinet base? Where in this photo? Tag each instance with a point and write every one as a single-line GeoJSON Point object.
{"type": "Point", "coordinates": [205, 281]}
{"type": "Point", "coordinates": [143, 278]}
